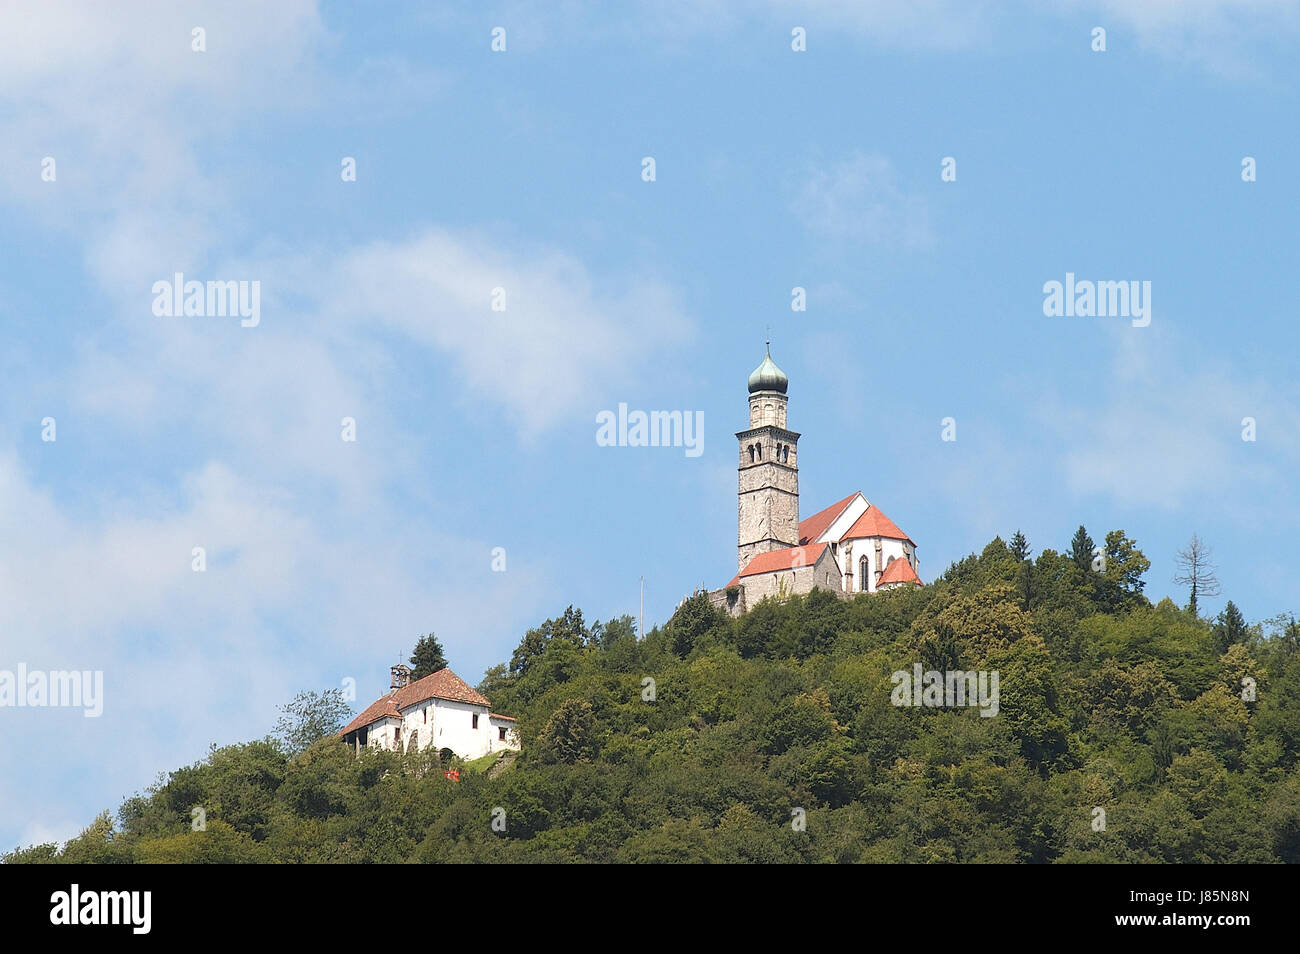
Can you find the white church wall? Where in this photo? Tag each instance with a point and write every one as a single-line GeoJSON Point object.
{"type": "Point", "coordinates": [383, 734]}
{"type": "Point", "coordinates": [452, 727]}
{"type": "Point", "coordinates": [841, 524]}
{"type": "Point", "coordinates": [511, 741]}
{"type": "Point", "coordinates": [866, 546]}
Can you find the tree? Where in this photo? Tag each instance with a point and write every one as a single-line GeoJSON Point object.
{"type": "Point", "coordinates": [570, 734]}
{"type": "Point", "coordinates": [1081, 547]}
{"type": "Point", "coordinates": [1019, 546]}
{"type": "Point", "coordinates": [1229, 628]}
{"type": "Point", "coordinates": [568, 628]}
{"type": "Point", "coordinates": [1125, 564]}
{"type": "Point", "coordinates": [310, 716]}
{"type": "Point", "coordinates": [695, 617]}
{"type": "Point", "coordinates": [427, 658]}
{"type": "Point", "coordinates": [619, 629]}
{"type": "Point", "coordinates": [1196, 568]}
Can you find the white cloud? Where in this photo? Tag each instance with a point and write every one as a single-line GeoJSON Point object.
{"type": "Point", "coordinates": [859, 199]}
{"type": "Point", "coordinates": [1224, 36]}
{"type": "Point", "coordinates": [561, 338]}
{"type": "Point", "coordinates": [1164, 430]}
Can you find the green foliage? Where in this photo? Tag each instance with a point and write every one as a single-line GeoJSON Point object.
{"type": "Point", "coordinates": [310, 716]}
{"type": "Point", "coordinates": [692, 621]}
{"type": "Point", "coordinates": [1081, 547]}
{"type": "Point", "coordinates": [1230, 627]}
{"type": "Point", "coordinates": [705, 740]}
{"type": "Point", "coordinates": [566, 630]}
{"type": "Point", "coordinates": [570, 734]}
{"type": "Point", "coordinates": [427, 658]}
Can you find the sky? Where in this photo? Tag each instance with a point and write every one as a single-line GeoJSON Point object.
{"type": "Point", "coordinates": [475, 500]}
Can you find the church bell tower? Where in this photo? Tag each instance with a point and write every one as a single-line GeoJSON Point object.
{"type": "Point", "coordinates": [768, 515]}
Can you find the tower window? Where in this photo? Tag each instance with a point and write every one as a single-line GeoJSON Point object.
{"type": "Point", "coordinates": [474, 720]}
{"type": "Point", "coordinates": [864, 568]}
{"type": "Point", "coordinates": [751, 453]}
{"type": "Point", "coordinates": [759, 448]}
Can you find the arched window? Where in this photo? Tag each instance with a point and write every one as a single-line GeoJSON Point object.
{"type": "Point", "coordinates": [760, 451]}
{"type": "Point", "coordinates": [864, 569]}
{"type": "Point", "coordinates": [751, 453]}
{"type": "Point", "coordinates": [889, 561]}
{"type": "Point", "coordinates": [785, 454]}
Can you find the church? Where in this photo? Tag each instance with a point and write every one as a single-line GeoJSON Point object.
{"type": "Point", "coordinates": [441, 710]}
{"type": "Point", "coordinates": [849, 547]}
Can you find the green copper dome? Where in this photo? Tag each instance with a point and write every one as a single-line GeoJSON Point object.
{"type": "Point", "coordinates": [768, 377]}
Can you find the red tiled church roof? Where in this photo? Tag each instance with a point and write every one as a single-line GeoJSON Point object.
{"type": "Point", "coordinates": [900, 571]}
{"type": "Point", "coordinates": [785, 559]}
{"type": "Point", "coordinates": [374, 712]}
{"type": "Point", "coordinates": [498, 715]}
{"type": "Point", "coordinates": [873, 523]}
{"type": "Point", "coordinates": [816, 525]}
{"type": "Point", "coordinates": [443, 684]}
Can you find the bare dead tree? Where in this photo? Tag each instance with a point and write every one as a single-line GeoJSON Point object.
{"type": "Point", "coordinates": [1196, 567]}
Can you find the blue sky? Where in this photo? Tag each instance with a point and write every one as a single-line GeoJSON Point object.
{"type": "Point", "coordinates": [476, 428]}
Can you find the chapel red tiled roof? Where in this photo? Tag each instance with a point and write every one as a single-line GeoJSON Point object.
{"type": "Point", "coordinates": [443, 684]}
{"type": "Point", "coordinates": [373, 713]}
{"type": "Point", "coordinates": [783, 559]}
{"type": "Point", "coordinates": [900, 571]}
{"type": "Point", "coordinates": [815, 526]}
{"type": "Point", "coordinates": [873, 523]}
{"type": "Point", "coordinates": [498, 715]}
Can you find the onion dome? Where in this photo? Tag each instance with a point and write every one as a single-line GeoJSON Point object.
{"type": "Point", "coordinates": [768, 377]}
